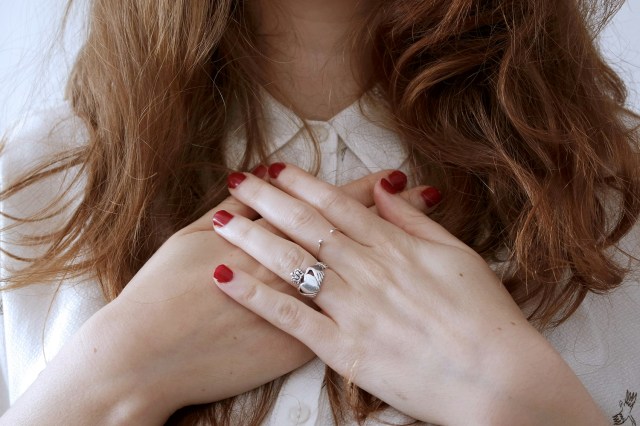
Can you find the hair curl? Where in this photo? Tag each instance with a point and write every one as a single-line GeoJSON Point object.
{"type": "Point", "coordinates": [506, 105]}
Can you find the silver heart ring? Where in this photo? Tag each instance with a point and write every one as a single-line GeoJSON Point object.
{"type": "Point", "coordinates": [310, 280]}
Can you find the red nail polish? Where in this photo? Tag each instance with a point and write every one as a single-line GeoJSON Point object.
{"type": "Point", "coordinates": [221, 218]}
{"type": "Point", "coordinates": [275, 169]}
{"type": "Point", "coordinates": [260, 170]}
{"type": "Point", "coordinates": [431, 196]}
{"type": "Point", "coordinates": [235, 179]}
{"type": "Point", "coordinates": [222, 274]}
{"type": "Point", "coordinates": [386, 185]}
{"type": "Point", "coordinates": [398, 180]}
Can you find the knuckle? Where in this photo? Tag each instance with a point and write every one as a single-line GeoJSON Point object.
{"type": "Point", "coordinates": [252, 192]}
{"type": "Point", "coordinates": [329, 200]}
{"type": "Point", "coordinates": [291, 259]}
{"type": "Point", "coordinates": [413, 227]}
{"type": "Point", "coordinates": [390, 247]}
{"type": "Point", "coordinates": [243, 233]}
{"type": "Point", "coordinates": [300, 216]}
{"type": "Point", "coordinates": [288, 315]}
{"type": "Point", "coordinates": [249, 295]}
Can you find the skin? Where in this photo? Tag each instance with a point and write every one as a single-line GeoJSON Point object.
{"type": "Point", "coordinates": [310, 64]}
{"type": "Point", "coordinates": [127, 365]}
{"type": "Point", "coordinates": [171, 339]}
{"type": "Point", "coordinates": [318, 77]}
{"type": "Point", "coordinates": [459, 330]}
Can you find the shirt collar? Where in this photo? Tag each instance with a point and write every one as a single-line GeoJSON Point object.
{"type": "Point", "coordinates": [361, 126]}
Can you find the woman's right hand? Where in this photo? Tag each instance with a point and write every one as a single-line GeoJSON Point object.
{"type": "Point", "coordinates": [171, 338]}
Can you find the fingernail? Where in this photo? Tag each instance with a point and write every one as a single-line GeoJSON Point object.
{"type": "Point", "coordinates": [221, 218]}
{"type": "Point", "coordinates": [387, 186]}
{"type": "Point", "coordinates": [398, 180]}
{"type": "Point", "coordinates": [260, 170]}
{"type": "Point", "coordinates": [275, 169]}
{"type": "Point", "coordinates": [235, 179]}
{"type": "Point", "coordinates": [431, 196]}
{"type": "Point", "coordinates": [222, 274]}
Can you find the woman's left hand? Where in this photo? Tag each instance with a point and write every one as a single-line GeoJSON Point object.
{"type": "Point", "coordinates": [408, 312]}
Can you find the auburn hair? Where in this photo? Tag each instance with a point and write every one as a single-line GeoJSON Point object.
{"type": "Point", "coordinates": [506, 105]}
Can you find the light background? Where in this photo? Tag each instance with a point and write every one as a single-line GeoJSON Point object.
{"type": "Point", "coordinates": [28, 28]}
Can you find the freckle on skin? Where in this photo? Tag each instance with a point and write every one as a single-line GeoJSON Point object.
{"type": "Point", "coordinates": [95, 350]}
{"type": "Point", "coordinates": [513, 323]}
{"type": "Point", "coordinates": [499, 328]}
{"type": "Point", "coordinates": [461, 274]}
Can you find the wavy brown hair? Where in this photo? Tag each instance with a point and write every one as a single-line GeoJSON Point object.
{"type": "Point", "coordinates": [506, 105]}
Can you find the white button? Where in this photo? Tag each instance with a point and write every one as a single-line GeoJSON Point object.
{"type": "Point", "coordinates": [299, 414]}
{"type": "Point", "coordinates": [321, 133]}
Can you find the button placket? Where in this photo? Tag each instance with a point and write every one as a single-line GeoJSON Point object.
{"type": "Point", "coordinates": [329, 152]}
{"type": "Point", "coordinates": [321, 132]}
{"type": "Point", "coordinates": [299, 414]}
{"type": "Point", "coordinates": [298, 400]}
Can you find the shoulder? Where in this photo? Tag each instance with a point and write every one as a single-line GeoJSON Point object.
{"type": "Point", "coordinates": [601, 340]}
{"type": "Point", "coordinates": [38, 136]}
{"type": "Point", "coordinates": [31, 144]}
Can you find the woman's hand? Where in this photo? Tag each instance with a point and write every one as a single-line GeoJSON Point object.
{"type": "Point", "coordinates": [168, 340]}
{"type": "Point", "coordinates": [409, 313]}
{"type": "Point", "coordinates": [171, 339]}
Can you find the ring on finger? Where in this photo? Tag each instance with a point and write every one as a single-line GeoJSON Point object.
{"type": "Point", "coordinates": [309, 281]}
{"type": "Point", "coordinates": [320, 241]}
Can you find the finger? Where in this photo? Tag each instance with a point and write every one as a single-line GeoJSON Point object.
{"type": "Point", "coordinates": [260, 171]}
{"type": "Point", "coordinates": [317, 331]}
{"type": "Point", "coordinates": [230, 204]}
{"type": "Point", "coordinates": [279, 255]}
{"type": "Point", "coordinates": [297, 219]}
{"type": "Point", "coordinates": [267, 276]}
{"type": "Point", "coordinates": [423, 198]}
{"type": "Point", "coordinates": [361, 190]}
{"type": "Point", "coordinates": [352, 218]}
{"type": "Point", "coordinates": [413, 221]}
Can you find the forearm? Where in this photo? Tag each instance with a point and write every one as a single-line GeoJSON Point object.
{"type": "Point", "coordinates": [84, 384]}
{"type": "Point", "coordinates": [535, 388]}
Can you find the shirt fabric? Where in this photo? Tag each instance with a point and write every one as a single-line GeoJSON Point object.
{"type": "Point", "coordinates": [601, 340]}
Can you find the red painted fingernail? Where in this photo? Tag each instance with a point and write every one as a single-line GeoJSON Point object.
{"type": "Point", "coordinates": [260, 170]}
{"type": "Point", "coordinates": [398, 180]}
{"type": "Point", "coordinates": [387, 186]}
{"type": "Point", "coordinates": [431, 196]}
{"type": "Point", "coordinates": [275, 169]}
{"type": "Point", "coordinates": [222, 274]}
{"type": "Point", "coordinates": [235, 179]}
{"type": "Point", "coordinates": [221, 218]}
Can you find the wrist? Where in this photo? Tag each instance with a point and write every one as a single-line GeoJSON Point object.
{"type": "Point", "coordinates": [92, 381]}
{"type": "Point", "coordinates": [126, 383]}
{"type": "Point", "coordinates": [527, 382]}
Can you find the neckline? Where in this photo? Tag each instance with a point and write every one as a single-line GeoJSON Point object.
{"type": "Point", "coordinates": [373, 93]}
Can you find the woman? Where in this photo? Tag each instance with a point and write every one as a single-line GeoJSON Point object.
{"type": "Point", "coordinates": [505, 106]}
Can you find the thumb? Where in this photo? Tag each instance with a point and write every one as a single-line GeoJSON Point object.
{"type": "Point", "coordinates": [395, 209]}
{"type": "Point", "coordinates": [362, 189]}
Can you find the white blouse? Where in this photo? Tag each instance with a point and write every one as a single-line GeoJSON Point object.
{"type": "Point", "coordinates": [601, 341]}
